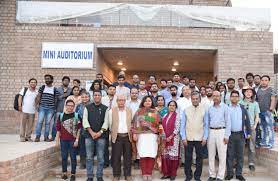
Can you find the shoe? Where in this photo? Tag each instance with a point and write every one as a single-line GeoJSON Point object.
{"type": "Point", "coordinates": [211, 179]}
{"type": "Point", "coordinates": [172, 178]}
{"type": "Point", "coordinates": [218, 179]}
{"type": "Point", "coordinates": [128, 178]}
{"type": "Point", "coordinates": [240, 177]}
{"type": "Point", "coordinates": [252, 168]}
{"type": "Point", "coordinates": [197, 179]}
{"type": "Point", "coordinates": [64, 176]}
{"type": "Point", "coordinates": [187, 179]}
{"type": "Point", "coordinates": [22, 140]}
{"type": "Point", "coordinates": [47, 139]}
{"type": "Point", "coordinates": [37, 139]}
{"type": "Point", "coordinates": [229, 177]}
{"type": "Point", "coordinates": [90, 179]}
{"type": "Point", "coordinates": [100, 179]}
{"type": "Point", "coordinates": [72, 177]}
{"type": "Point", "coordinates": [28, 139]}
{"type": "Point", "coordinates": [164, 177]}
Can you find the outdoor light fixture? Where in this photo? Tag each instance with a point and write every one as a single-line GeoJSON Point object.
{"type": "Point", "coordinates": [174, 69]}
{"type": "Point", "coordinates": [176, 63]}
{"type": "Point", "coordinates": [120, 63]}
{"type": "Point", "coordinates": [123, 69]}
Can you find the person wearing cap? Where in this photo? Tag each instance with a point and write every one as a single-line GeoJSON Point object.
{"type": "Point", "coordinates": [253, 110]}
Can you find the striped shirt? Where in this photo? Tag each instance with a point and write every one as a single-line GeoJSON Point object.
{"type": "Point", "coordinates": [48, 97]}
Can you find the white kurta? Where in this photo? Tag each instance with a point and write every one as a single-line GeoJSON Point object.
{"type": "Point", "coordinates": [147, 145]}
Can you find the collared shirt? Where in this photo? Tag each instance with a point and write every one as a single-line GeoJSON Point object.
{"type": "Point", "coordinates": [192, 122]}
{"type": "Point", "coordinates": [110, 103]}
{"type": "Point", "coordinates": [207, 102]}
{"type": "Point", "coordinates": [218, 116]}
{"type": "Point", "coordinates": [236, 118]}
{"type": "Point", "coordinates": [165, 93]}
{"type": "Point", "coordinates": [253, 110]}
{"type": "Point", "coordinates": [122, 121]}
{"type": "Point", "coordinates": [227, 97]}
{"type": "Point", "coordinates": [183, 103]}
{"type": "Point", "coordinates": [171, 99]}
{"type": "Point", "coordinates": [133, 105]}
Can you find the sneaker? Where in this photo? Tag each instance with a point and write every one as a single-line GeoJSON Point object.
{"type": "Point", "coordinates": [47, 139]}
{"type": "Point", "coordinates": [72, 177]}
{"type": "Point", "coordinates": [164, 177]}
{"type": "Point", "coordinates": [28, 139]}
{"type": "Point", "coordinates": [22, 140]}
{"type": "Point", "coordinates": [211, 179]}
{"type": "Point", "coordinates": [252, 168]}
{"type": "Point", "coordinates": [90, 179]}
{"type": "Point", "coordinates": [100, 179]}
{"type": "Point", "coordinates": [64, 177]}
{"type": "Point", "coordinates": [240, 177]}
{"type": "Point", "coordinates": [229, 177]}
{"type": "Point", "coordinates": [37, 139]}
{"type": "Point", "coordinates": [172, 178]}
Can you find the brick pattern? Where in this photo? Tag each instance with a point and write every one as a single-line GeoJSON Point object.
{"type": "Point", "coordinates": [34, 166]}
{"type": "Point", "coordinates": [268, 159]}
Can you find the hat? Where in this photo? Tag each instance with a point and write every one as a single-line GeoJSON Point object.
{"type": "Point", "coordinates": [244, 89]}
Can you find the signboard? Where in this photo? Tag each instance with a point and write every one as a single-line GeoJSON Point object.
{"type": "Point", "coordinates": [67, 55]}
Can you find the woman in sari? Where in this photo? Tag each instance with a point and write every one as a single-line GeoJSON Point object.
{"type": "Point", "coordinates": [161, 106]}
{"type": "Point", "coordinates": [170, 153]}
{"type": "Point", "coordinates": [145, 129]}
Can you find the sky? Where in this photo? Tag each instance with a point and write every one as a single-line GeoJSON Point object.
{"type": "Point", "coordinates": [273, 5]}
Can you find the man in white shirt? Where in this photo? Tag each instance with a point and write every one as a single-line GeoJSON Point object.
{"type": "Point", "coordinates": [118, 120]}
{"type": "Point", "coordinates": [110, 99]}
{"type": "Point", "coordinates": [207, 101]}
{"type": "Point", "coordinates": [134, 102]}
{"type": "Point", "coordinates": [26, 102]}
{"type": "Point", "coordinates": [121, 89]}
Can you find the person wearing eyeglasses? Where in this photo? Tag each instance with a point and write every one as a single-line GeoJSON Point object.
{"type": "Point", "coordinates": [240, 130]}
{"type": "Point", "coordinates": [253, 110]}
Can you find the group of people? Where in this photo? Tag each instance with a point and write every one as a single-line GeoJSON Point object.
{"type": "Point", "coordinates": [162, 128]}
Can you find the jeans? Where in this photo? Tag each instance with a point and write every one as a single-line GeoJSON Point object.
{"type": "Point", "coordinates": [99, 145]}
{"type": "Point", "coordinates": [44, 114]}
{"type": "Point", "coordinates": [82, 146]}
{"type": "Point", "coordinates": [267, 129]}
{"type": "Point", "coordinates": [53, 125]}
{"type": "Point", "coordinates": [66, 150]}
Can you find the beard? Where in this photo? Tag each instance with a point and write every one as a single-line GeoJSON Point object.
{"type": "Point", "coordinates": [209, 95]}
{"type": "Point", "coordinates": [174, 94]}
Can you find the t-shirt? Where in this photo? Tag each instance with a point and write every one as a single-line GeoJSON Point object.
{"type": "Point", "coordinates": [68, 127]}
{"type": "Point", "coordinates": [47, 97]}
{"type": "Point", "coordinates": [264, 98]}
{"type": "Point", "coordinates": [28, 102]}
{"type": "Point", "coordinates": [252, 108]}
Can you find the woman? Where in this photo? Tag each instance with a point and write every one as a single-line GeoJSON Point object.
{"type": "Point", "coordinates": [96, 85]}
{"type": "Point", "coordinates": [75, 96]}
{"type": "Point", "coordinates": [162, 110]}
{"type": "Point", "coordinates": [145, 132]}
{"type": "Point", "coordinates": [170, 154]}
{"type": "Point", "coordinates": [85, 97]}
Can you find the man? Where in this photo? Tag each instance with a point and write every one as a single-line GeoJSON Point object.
{"type": "Point", "coordinates": [169, 82]}
{"type": "Point", "coordinates": [208, 101]}
{"type": "Point", "coordinates": [185, 80]}
{"type": "Point", "coordinates": [110, 99]}
{"type": "Point", "coordinates": [253, 110]}
{"type": "Point", "coordinates": [135, 81]}
{"type": "Point", "coordinates": [119, 119]}
{"type": "Point", "coordinates": [231, 87]}
{"type": "Point", "coordinates": [250, 79]}
{"type": "Point", "coordinates": [176, 79]}
{"type": "Point", "coordinates": [134, 104]}
{"type": "Point", "coordinates": [142, 90]}
{"type": "Point", "coordinates": [203, 92]}
{"type": "Point", "coordinates": [68, 133]}
{"type": "Point", "coordinates": [121, 89]}
{"type": "Point", "coordinates": [257, 82]}
{"type": "Point", "coordinates": [152, 79]}
{"type": "Point", "coordinates": [47, 102]}
{"type": "Point", "coordinates": [266, 97]}
{"type": "Point", "coordinates": [174, 96]}
{"type": "Point", "coordinates": [240, 129]}
{"type": "Point", "coordinates": [154, 93]}
{"type": "Point", "coordinates": [194, 134]}
{"type": "Point", "coordinates": [211, 84]}
{"type": "Point", "coordinates": [164, 89]}
{"type": "Point", "coordinates": [64, 92]}
{"type": "Point", "coordinates": [126, 84]}
{"type": "Point", "coordinates": [93, 119]}
{"type": "Point", "coordinates": [219, 121]}
{"type": "Point", "coordinates": [99, 77]}
{"type": "Point", "coordinates": [240, 82]}
{"type": "Point", "coordinates": [26, 102]}
{"type": "Point", "coordinates": [192, 85]}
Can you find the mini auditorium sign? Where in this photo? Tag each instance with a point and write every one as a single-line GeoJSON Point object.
{"type": "Point", "coordinates": [67, 55]}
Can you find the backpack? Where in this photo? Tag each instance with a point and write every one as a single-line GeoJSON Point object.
{"type": "Point", "coordinates": [16, 106]}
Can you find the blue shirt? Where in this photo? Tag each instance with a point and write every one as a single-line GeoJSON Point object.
{"type": "Point", "coordinates": [236, 118]}
{"type": "Point", "coordinates": [218, 116]}
{"type": "Point", "coordinates": [165, 93]}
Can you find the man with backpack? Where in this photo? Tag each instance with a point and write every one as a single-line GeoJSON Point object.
{"type": "Point", "coordinates": [26, 105]}
{"type": "Point", "coordinates": [46, 101]}
{"type": "Point", "coordinates": [68, 132]}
